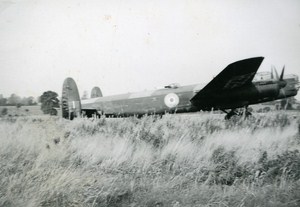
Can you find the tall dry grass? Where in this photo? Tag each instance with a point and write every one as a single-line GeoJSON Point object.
{"type": "Point", "coordinates": [179, 160]}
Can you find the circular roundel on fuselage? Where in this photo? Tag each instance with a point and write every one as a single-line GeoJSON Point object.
{"type": "Point", "coordinates": [171, 100]}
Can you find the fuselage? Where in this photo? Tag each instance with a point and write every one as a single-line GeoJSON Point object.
{"type": "Point", "coordinates": [146, 102]}
{"type": "Point", "coordinates": [178, 99]}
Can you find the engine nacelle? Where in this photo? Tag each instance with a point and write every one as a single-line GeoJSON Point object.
{"type": "Point", "coordinates": [251, 93]}
{"type": "Point", "coordinates": [271, 90]}
{"type": "Point", "coordinates": [70, 100]}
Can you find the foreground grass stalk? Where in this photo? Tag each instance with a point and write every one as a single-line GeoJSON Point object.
{"type": "Point", "coordinates": [179, 160]}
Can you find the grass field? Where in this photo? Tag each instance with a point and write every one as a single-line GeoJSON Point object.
{"type": "Point", "coordinates": [22, 111]}
{"type": "Point", "coordinates": [25, 110]}
{"type": "Point", "coordinates": [179, 160]}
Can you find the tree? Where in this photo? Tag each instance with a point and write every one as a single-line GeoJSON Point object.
{"type": "Point", "coordinates": [49, 102]}
{"type": "Point", "coordinates": [3, 101]}
{"type": "Point", "coordinates": [28, 101]}
{"type": "Point", "coordinates": [13, 100]}
{"type": "Point", "coordinates": [85, 95]}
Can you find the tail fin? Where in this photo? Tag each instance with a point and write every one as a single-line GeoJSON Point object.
{"type": "Point", "coordinates": [70, 100]}
{"type": "Point", "coordinates": [96, 92]}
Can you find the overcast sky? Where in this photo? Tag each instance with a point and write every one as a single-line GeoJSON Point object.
{"type": "Point", "coordinates": [127, 46]}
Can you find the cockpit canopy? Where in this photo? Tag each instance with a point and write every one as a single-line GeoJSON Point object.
{"type": "Point", "coordinates": [173, 85]}
{"type": "Point", "coordinates": [262, 76]}
{"type": "Point", "coordinates": [265, 76]}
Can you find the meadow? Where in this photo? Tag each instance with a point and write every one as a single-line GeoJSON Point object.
{"type": "Point", "coordinates": [14, 111]}
{"type": "Point", "coordinates": [178, 160]}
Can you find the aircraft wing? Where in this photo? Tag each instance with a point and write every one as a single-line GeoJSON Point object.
{"type": "Point", "coordinates": [235, 75]}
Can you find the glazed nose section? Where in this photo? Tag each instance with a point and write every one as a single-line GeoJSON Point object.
{"type": "Point", "coordinates": [296, 82]}
{"type": "Point", "coordinates": [297, 85]}
{"type": "Point", "coordinates": [291, 88]}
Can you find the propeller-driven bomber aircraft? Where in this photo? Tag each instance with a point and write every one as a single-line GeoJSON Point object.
{"type": "Point", "coordinates": [231, 89]}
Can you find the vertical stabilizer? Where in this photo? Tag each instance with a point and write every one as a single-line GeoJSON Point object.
{"type": "Point", "coordinates": [70, 100]}
{"type": "Point", "coordinates": [96, 92]}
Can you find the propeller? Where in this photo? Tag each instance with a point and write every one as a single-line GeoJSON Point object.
{"type": "Point", "coordinates": [280, 81]}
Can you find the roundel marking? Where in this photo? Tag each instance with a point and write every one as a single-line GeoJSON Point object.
{"type": "Point", "coordinates": [171, 100]}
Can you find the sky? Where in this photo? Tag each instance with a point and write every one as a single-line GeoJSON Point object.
{"type": "Point", "coordinates": [133, 45]}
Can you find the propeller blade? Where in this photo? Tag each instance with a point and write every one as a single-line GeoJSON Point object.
{"type": "Point", "coordinates": [272, 75]}
{"type": "Point", "coordinates": [283, 92]}
{"type": "Point", "coordinates": [276, 74]}
{"type": "Point", "coordinates": [282, 73]}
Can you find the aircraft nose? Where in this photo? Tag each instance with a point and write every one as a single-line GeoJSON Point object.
{"type": "Point", "coordinates": [282, 83]}
{"type": "Point", "coordinates": [297, 85]}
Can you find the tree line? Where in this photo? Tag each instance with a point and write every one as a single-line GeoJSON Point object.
{"type": "Point", "coordinates": [49, 102]}
{"type": "Point", "coordinates": [15, 100]}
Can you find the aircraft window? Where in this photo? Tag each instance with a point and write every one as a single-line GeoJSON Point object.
{"type": "Point", "coordinates": [173, 85]}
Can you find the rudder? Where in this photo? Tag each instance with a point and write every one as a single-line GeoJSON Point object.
{"type": "Point", "coordinates": [70, 100]}
{"type": "Point", "coordinates": [96, 92]}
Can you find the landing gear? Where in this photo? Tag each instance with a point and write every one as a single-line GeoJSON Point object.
{"type": "Point", "coordinates": [235, 112]}
{"type": "Point", "coordinates": [231, 113]}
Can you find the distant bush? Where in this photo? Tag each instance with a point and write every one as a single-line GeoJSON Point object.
{"type": "Point", "coordinates": [4, 111]}
{"type": "Point", "coordinates": [18, 105]}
